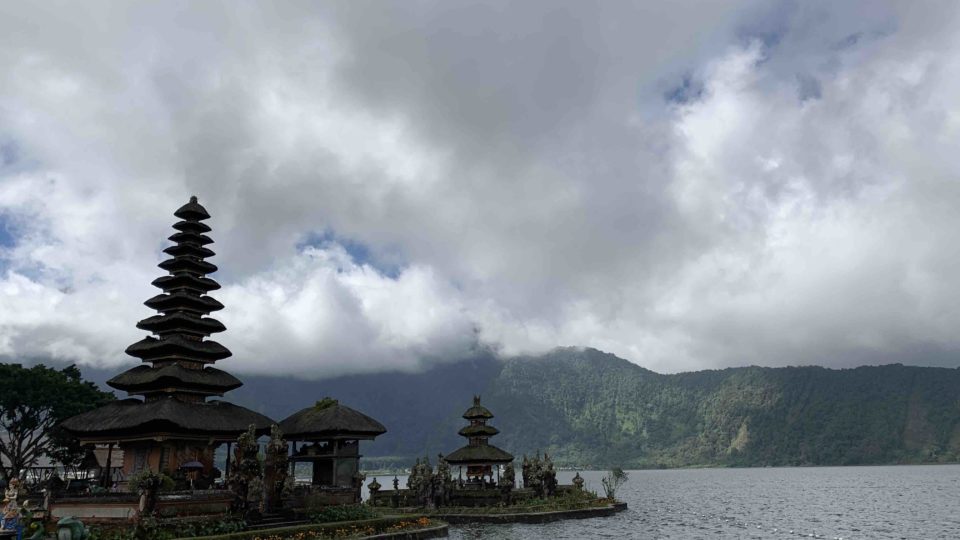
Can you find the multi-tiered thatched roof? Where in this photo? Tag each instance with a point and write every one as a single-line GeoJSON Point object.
{"type": "Point", "coordinates": [478, 450]}
{"type": "Point", "coordinates": [176, 379]}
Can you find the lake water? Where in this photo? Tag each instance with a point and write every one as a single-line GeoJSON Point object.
{"type": "Point", "coordinates": [915, 502]}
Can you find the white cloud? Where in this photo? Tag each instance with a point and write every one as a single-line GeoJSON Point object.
{"type": "Point", "coordinates": [522, 171]}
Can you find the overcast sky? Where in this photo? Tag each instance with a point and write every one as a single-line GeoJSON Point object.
{"type": "Point", "coordinates": [685, 184]}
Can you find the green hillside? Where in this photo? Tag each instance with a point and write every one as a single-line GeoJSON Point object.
{"type": "Point", "coordinates": [589, 408]}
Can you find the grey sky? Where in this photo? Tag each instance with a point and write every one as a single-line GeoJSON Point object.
{"type": "Point", "coordinates": [684, 184]}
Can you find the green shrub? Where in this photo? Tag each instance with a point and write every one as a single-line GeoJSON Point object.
{"type": "Point", "coordinates": [342, 513]}
{"type": "Point", "coordinates": [155, 529]}
{"type": "Point", "coordinates": [147, 478]}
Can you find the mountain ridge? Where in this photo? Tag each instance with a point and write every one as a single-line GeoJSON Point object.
{"type": "Point", "coordinates": [590, 408]}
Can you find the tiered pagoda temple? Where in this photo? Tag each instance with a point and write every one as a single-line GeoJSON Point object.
{"type": "Point", "coordinates": [479, 456]}
{"type": "Point", "coordinates": [175, 422]}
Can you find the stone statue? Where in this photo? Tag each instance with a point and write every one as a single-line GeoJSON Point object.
{"type": "Point", "coordinates": [10, 520]}
{"type": "Point", "coordinates": [12, 493]}
{"type": "Point", "coordinates": [443, 483]}
{"type": "Point", "coordinates": [414, 472]}
{"type": "Point", "coordinates": [70, 528]}
{"type": "Point", "coordinates": [276, 469]}
{"type": "Point", "coordinates": [425, 491]}
{"type": "Point", "coordinates": [374, 488]}
{"type": "Point", "coordinates": [536, 475]}
{"type": "Point", "coordinates": [507, 481]}
{"type": "Point", "coordinates": [245, 474]}
{"type": "Point", "coordinates": [147, 484]}
{"type": "Point", "coordinates": [509, 476]}
{"type": "Point", "coordinates": [443, 468]}
{"type": "Point", "coordinates": [578, 481]}
{"type": "Point", "coordinates": [549, 481]}
{"type": "Point", "coordinates": [525, 470]}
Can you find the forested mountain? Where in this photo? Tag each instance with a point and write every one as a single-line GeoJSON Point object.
{"type": "Point", "coordinates": [589, 408]}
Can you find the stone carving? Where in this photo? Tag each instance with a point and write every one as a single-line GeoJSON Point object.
{"type": "Point", "coordinates": [275, 469]}
{"type": "Point", "coordinates": [374, 488]}
{"type": "Point", "coordinates": [540, 475]}
{"type": "Point", "coordinates": [245, 476]}
{"type": "Point", "coordinates": [430, 489]}
{"type": "Point", "coordinates": [578, 481]}
{"type": "Point", "coordinates": [442, 483]}
{"type": "Point", "coordinates": [548, 482]}
{"type": "Point", "coordinates": [525, 471]}
{"type": "Point", "coordinates": [10, 520]}
{"type": "Point", "coordinates": [509, 476]}
{"type": "Point", "coordinates": [147, 483]}
{"type": "Point", "coordinates": [70, 528]}
{"type": "Point", "coordinates": [412, 480]}
{"type": "Point", "coordinates": [507, 483]}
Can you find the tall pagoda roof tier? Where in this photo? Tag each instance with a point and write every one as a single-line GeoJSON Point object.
{"type": "Point", "coordinates": [189, 265]}
{"type": "Point", "coordinates": [186, 282]}
{"type": "Point", "coordinates": [182, 323]}
{"type": "Point", "coordinates": [478, 454]}
{"type": "Point", "coordinates": [184, 302]}
{"type": "Point", "coordinates": [192, 211]}
{"type": "Point", "coordinates": [191, 226]}
{"type": "Point", "coordinates": [328, 419]}
{"type": "Point", "coordinates": [190, 238]}
{"type": "Point", "coordinates": [166, 417]}
{"type": "Point", "coordinates": [177, 347]}
{"type": "Point", "coordinates": [146, 379]}
{"type": "Point", "coordinates": [189, 250]}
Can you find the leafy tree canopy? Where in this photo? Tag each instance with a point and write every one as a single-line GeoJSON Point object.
{"type": "Point", "coordinates": [32, 402]}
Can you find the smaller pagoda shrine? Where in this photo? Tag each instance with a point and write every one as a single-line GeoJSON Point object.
{"type": "Point", "coordinates": [174, 426]}
{"type": "Point", "coordinates": [330, 434]}
{"type": "Point", "coordinates": [479, 457]}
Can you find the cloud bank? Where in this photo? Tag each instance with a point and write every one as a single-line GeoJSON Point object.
{"type": "Point", "coordinates": [690, 185]}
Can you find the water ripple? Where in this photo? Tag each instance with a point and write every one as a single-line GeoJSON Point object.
{"type": "Point", "coordinates": [833, 503]}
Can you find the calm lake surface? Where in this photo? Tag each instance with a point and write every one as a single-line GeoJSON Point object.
{"type": "Point", "coordinates": [915, 502]}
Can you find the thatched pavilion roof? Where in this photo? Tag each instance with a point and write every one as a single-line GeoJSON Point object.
{"type": "Point", "coordinates": [328, 419]}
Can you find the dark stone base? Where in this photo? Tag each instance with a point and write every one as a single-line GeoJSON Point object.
{"type": "Point", "coordinates": [533, 517]}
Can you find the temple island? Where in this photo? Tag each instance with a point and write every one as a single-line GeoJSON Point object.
{"type": "Point", "coordinates": [173, 460]}
{"type": "Point", "coordinates": [486, 489]}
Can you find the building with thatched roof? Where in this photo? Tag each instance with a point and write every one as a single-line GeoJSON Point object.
{"type": "Point", "coordinates": [479, 456]}
{"type": "Point", "coordinates": [173, 421]}
{"type": "Point", "coordinates": [330, 434]}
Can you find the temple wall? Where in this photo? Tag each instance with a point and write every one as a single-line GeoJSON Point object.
{"type": "Point", "coordinates": [125, 506]}
{"type": "Point", "coordinates": [151, 456]}
{"type": "Point", "coordinates": [94, 510]}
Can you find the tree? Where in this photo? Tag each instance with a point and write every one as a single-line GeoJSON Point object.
{"type": "Point", "coordinates": [32, 402]}
{"type": "Point", "coordinates": [612, 482]}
